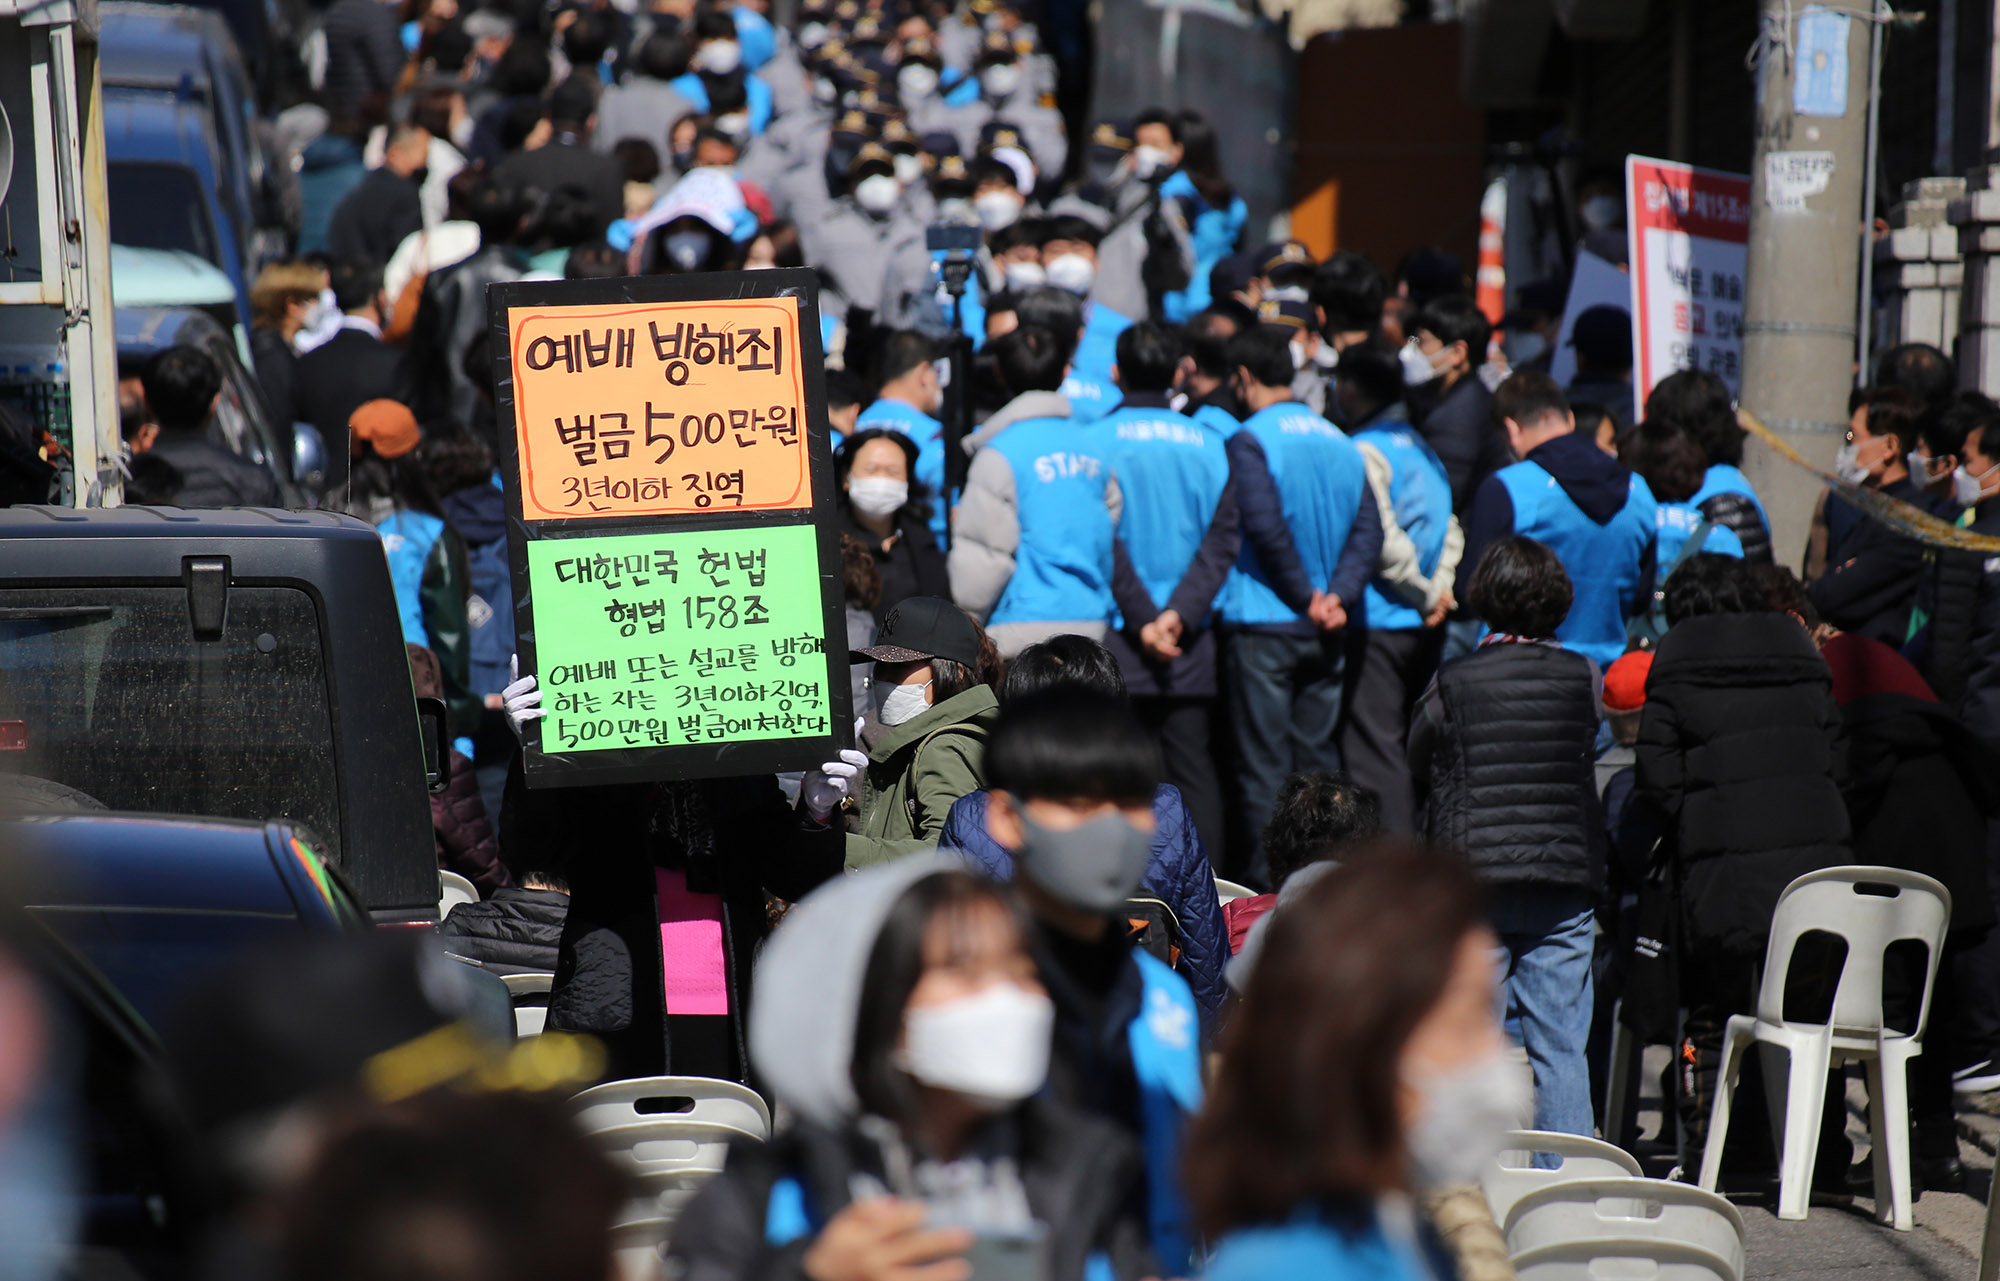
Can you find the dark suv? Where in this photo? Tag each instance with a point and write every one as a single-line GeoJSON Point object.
{"type": "Point", "coordinates": [240, 663]}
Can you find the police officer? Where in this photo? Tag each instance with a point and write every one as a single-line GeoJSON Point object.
{"type": "Point", "coordinates": [853, 240]}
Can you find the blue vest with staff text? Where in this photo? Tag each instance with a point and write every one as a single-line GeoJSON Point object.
{"type": "Point", "coordinates": [1602, 560]}
{"type": "Point", "coordinates": [1171, 471]}
{"type": "Point", "coordinates": [1321, 481]}
{"type": "Point", "coordinates": [1062, 568]}
{"type": "Point", "coordinates": [1420, 493]}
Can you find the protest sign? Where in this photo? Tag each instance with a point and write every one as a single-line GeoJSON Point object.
{"type": "Point", "coordinates": [674, 549]}
{"type": "Point", "coordinates": [1690, 231]}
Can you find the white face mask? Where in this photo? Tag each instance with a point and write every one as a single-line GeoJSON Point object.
{"type": "Point", "coordinates": [719, 57]}
{"type": "Point", "coordinates": [1416, 366]}
{"type": "Point", "coordinates": [991, 1047]}
{"type": "Point", "coordinates": [1465, 1118]}
{"type": "Point", "coordinates": [825, 92]}
{"type": "Point", "coordinates": [813, 35]}
{"type": "Point", "coordinates": [998, 210]}
{"type": "Point", "coordinates": [1022, 276]}
{"type": "Point", "coordinates": [735, 125]}
{"type": "Point", "coordinates": [895, 704]}
{"type": "Point", "coordinates": [916, 82]}
{"type": "Point", "coordinates": [1847, 464]}
{"type": "Point", "coordinates": [909, 169]}
{"type": "Point", "coordinates": [1000, 80]}
{"type": "Point", "coordinates": [877, 193]}
{"type": "Point", "coordinates": [877, 496]}
{"type": "Point", "coordinates": [1602, 213]}
{"type": "Point", "coordinates": [312, 315]}
{"type": "Point", "coordinates": [687, 250]}
{"type": "Point", "coordinates": [1072, 272]}
{"type": "Point", "coordinates": [1920, 467]}
{"type": "Point", "coordinates": [1147, 161]}
{"type": "Point", "coordinates": [1967, 490]}
{"type": "Point", "coordinates": [957, 210]}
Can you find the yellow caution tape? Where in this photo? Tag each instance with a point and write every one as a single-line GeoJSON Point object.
{"type": "Point", "coordinates": [1905, 518]}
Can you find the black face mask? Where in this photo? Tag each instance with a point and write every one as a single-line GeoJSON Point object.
{"type": "Point", "coordinates": [420, 176]}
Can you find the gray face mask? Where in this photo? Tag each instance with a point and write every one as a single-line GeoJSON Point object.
{"type": "Point", "coordinates": [1096, 866]}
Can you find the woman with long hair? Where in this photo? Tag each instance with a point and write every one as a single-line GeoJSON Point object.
{"type": "Point", "coordinates": [1365, 1067]}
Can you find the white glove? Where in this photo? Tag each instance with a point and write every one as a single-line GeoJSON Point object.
{"type": "Point", "coordinates": [522, 699]}
{"type": "Point", "coordinates": [823, 789]}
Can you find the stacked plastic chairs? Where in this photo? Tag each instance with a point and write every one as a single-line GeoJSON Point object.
{"type": "Point", "coordinates": [673, 1133]}
{"type": "Point", "coordinates": [1594, 1217]}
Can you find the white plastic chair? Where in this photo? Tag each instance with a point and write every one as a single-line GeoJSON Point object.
{"type": "Point", "coordinates": [1230, 891]}
{"type": "Point", "coordinates": [529, 991]}
{"type": "Point", "coordinates": [453, 889]}
{"type": "Point", "coordinates": [1514, 1175]}
{"type": "Point", "coordinates": [1833, 901]}
{"type": "Point", "coordinates": [1571, 1230]}
{"type": "Point", "coordinates": [616, 1104]}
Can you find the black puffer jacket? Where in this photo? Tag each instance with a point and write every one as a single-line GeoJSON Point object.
{"type": "Point", "coordinates": [1740, 749]}
{"type": "Point", "coordinates": [1738, 514]}
{"type": "Point", "coordinates": [1081, 1176]}
{"type": "Point", "coordinates": [1504, 739]}
{"type": "Point", "coordinates": [513, 931]}
{"type": "Point", "coordinates": [1961, 594]}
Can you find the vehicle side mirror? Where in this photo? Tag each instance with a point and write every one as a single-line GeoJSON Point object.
{"type": "Point", "coordinates": [437, 742]}
{"type": "Point", "coordinates": [309, 458]}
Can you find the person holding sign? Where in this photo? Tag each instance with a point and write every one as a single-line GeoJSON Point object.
{"type": "Point", "coordinates": [930, 749]}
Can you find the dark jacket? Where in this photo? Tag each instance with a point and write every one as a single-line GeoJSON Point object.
{"type": "Point", "coordinates": [1178, 873]}
{"type": "Point", "coordinates": [275, 364]}
{"type": "Point", "coordinates": [566, 161]}
{"type": "Point", "coordinates": [333, 380]}
{"type": "Point", "coordinates": [1460, 428]}
{"type": "Point", "coordinates": [373, 219]}
{"type": "Point", "coordinates": [364, 55]}
{"type": "Point", "coordinates": [1738, 513]}
{"type": "Point", "coordinates": [450, 314]}
{"type": "Point", "coordinates": [515, 931]}
{"type": "Point", "coordinates": [1961, 596]}
{"type": "Point", "coordinates": [1740, 750]}
{"type": "Point", "coordinates": [912, 565]}
{"type": "Point", "coordinates": [211, 476]}
{"type": "Point", "coordinates": [478, 515]}
{"type": "Point", "coordinates": [1080, 1174]}
{"type": "Point", "coordinates": [465, 840]}
{"type": "Point", "coordinates": [1872, 571]}
{"type": "Point", "coordinates": [1504, 741]}
{"type": "Point", "coordinates": [734, 837]}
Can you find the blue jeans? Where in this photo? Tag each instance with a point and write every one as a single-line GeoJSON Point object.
{"type": "Point", "coordinates": [1284, 704]}
{"type": "Point", "coordinates": [1545, 936]}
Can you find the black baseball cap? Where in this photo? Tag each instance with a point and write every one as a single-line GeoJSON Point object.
{"type": "Point", "coordinates": [921, 628]}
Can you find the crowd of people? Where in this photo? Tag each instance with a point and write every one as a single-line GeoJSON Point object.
{"type": "Point", "coordinates": [1288, 569]}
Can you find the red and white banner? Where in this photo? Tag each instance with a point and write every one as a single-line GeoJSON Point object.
{"type": "Point", "coordinates": [1690, 232]}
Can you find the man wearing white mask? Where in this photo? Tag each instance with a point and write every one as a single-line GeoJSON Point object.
{"type": "Point", "coordinates": [1961, 594]}
{"type": "Point", "coordinates": [1141, 253]}
{"type": "Point", "coordinates": [719, 83]}
{"type": "Point", "coordinates": [1069, 257]}
{"type": "Point", "coordinates": [909, 398]}
{"type": "Point", "coordinates": [854, 240]}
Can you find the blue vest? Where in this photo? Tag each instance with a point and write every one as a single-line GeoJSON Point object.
{"type": "Point", "coordinates": [1089, 398]}
{"type": "Point", "coordinates": [1213, 234]}
{"type": "Point", "coordinates": [1676, 523]}
{"type": "Point", "coordinates": [1097, 350]}
{"type": "Point", "coordinates": [1724, 479]}
{"type": "Point", "coordinates": [1420, 492]}
{"type": "Point", "coordinates": [928, 432]}
{"type": "Point", "coordinates": [1171, 470]}
{"type": "Point", "coordinates": [1062, 567]}
{"type": "Point", "coordinates": [1165, 1041]}
{"type": "Point", "coordinates": [1321, 483]}
{"type": "Point", "coordinates": [407, 540]}
{"type": "Point", "coordinates": [1219, 418]}
{"type": "Point", "coordinates": [1602, 560]}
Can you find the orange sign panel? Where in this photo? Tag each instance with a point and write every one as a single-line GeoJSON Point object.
{"type": "Point", "coordinates": [659, 409]}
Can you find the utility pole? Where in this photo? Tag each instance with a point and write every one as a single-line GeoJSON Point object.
{"type": "Point", "coordinates": [1807, 176]}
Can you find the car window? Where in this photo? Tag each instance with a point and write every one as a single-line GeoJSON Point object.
{"type": "Point", "coordinates": [151, 955]}
{"type": "Point", "coordinates": [157, 206]}
{"type": "Point", "coordinates": [235, 412]}
{"type": "Point", "coordinates": [114, 697]}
